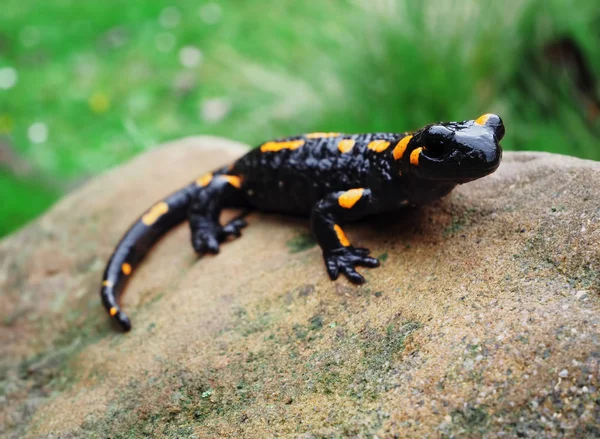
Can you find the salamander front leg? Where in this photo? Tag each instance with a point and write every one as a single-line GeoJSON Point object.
{"type": "Point", "coordinates": [338, 253]}
{"type": "Point", "coordinates": [205, 210]}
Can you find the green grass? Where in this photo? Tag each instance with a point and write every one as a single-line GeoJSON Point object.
{"type": "Point", "coordinates": [106, 79]}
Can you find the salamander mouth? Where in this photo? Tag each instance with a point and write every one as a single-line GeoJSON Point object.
{"type": "Point", "coordinates": [447, 164]}
{"type": "Point", "coordinates": [474, 173]}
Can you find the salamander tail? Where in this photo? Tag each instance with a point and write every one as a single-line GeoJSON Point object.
{"type": "Point", "coordinates": [134, 245]}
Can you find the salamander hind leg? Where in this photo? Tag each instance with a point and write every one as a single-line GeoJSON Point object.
{"type": "Point", "coordinates": [205, 209]}
{"type": "Point", "coordinates": [339, 255]}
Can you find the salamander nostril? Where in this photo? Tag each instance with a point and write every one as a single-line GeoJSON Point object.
{"type": "Point", "coordinates": [499, 131]}
{"type": "Point", "coordinates": [495, 122]}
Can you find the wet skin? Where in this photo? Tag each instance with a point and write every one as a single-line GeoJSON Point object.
{"type": "Point", "coordinates": [331, 177]}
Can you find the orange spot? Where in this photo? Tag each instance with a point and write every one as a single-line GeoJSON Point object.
{"type": "Point", "coordinates": [481, 120]}
{"type": "Point", "coordinates": [320, 135]}
{"type": "Point", "coordinates": [233, 180]}
{"type": "Point", "coordinates": [341, 236]}
{"type": "Point", "coordinates": [126, 268]}
{"type": "Point", "coordinates": [155, 213]}
{"type": "Point", "coordinates": [349, 198]}
{"type": "Point", "coordinates": [7, 124]}
{"type": "Point", "coordinates": [107, 283]}
{"type": "Point", "coordinates": [414, 156]}
{"type": "Point", "coordinates": [346, 145]}
{"type": "Point", "coordinates": [112, 311]}
{"type": "Point", "coordinates": [378, 145]}
{"type": "Point", "coordinates": [278, 146]}
{"type": "Point", "coordinates": [204, 180]}
{"type": "Point", "coordinates": [401, 147]}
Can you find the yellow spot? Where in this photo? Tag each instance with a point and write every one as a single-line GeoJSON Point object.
{"type": "Point", "coordinates": [341, 236]}
{"type": "Point", "coordinates": [349, 198]}
{"type": "Point", "coordinates": [233, 180]}
{"type": "Point", "coordinates": [6, 124]}
{"type": "Point", "coordinates": [414, 156]}
{"type": "Point", "coordinates": [346, 145]}
{"type": "Point", "coordinates": [99, 102]}
{"type": "Point", "coordinates": [126, 269]}
{"type": "Point", "coordinates": [204, 180]}
{"type": "Point", "coordinates": [481, 120]}
{"type": "Point", "coordinates": [112, 311]}
{"type": "Point", "coordinates": [107, 283]}
{"type": "Point", "coordinates": [155, 213]}
{"type": "Point", "coordinates": [320, 135]}
{"type": "Point", "coordinates": [278, 146]}
{"type": "Point", "coordinates": [401, 147]}
{"type": "Point", "coordinates": [378, 145]}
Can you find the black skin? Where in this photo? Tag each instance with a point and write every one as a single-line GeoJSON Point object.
{"type": "Point", "coordinates": [314, 175]}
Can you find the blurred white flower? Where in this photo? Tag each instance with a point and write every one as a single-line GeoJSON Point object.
{"type": "Point", "coordinates": [139, 102]}
{"type": "Point", "coordinates": [211, 13]}
{"type": "Point", "coordinates": [185, 81]}
{"type": "Point", "coordinates": [190, 56]}
{"type": "Point", "coordinates": [8, 77]}
{"type": "Point", "coordinates": [214, 110]}
{"type": "Point", "coordinates": [169, 17]}
{"type": "Point", "coordinates": [115, 37]}
{"type": "Point", "coordinates": [86, 65]}
{"type": "Point", "coordinates": [38, 132]}
{"type": "Point", "coordinates": [165, 41]}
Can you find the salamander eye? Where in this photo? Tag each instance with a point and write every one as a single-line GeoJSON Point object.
{"type": "Point", "coordinates": [438, 141]}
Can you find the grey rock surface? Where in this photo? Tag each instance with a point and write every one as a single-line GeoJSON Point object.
{"type": "Point", "coordinates": [483, 318]}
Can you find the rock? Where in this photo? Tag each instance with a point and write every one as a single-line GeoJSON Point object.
{"type": "Point", "coordinates": [482, 320]}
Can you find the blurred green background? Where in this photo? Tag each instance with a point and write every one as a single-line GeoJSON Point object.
{"type": "Point", "coordinates": [85, 85]}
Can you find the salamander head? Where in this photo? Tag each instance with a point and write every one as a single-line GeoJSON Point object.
{"type": "Point", "coordinates": [453, 151]}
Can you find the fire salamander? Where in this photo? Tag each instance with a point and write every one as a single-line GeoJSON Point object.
{"type": "Point", "coordinates": [331, 177]}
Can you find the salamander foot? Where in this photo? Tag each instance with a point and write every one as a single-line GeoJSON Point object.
{"type": "Point", "coordinates": [345, 260]}
{"type": "Point", "coordinates": [206, 236]}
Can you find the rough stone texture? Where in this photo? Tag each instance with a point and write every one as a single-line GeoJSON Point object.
{"type": "Point", "coordinates": [483, 318]}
